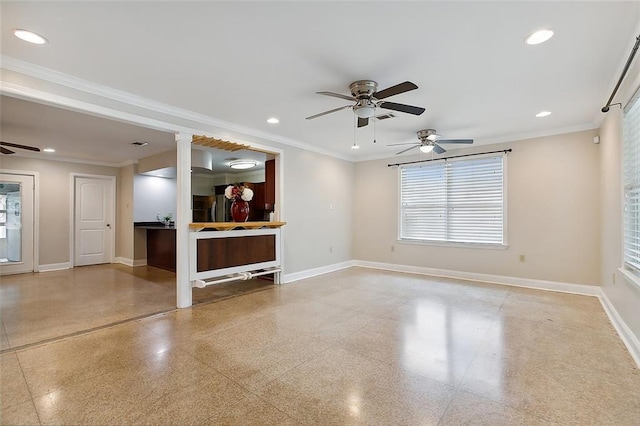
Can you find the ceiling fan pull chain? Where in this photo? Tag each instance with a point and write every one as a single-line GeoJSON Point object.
{"type": "Point", "coordinates": [355, 124]}
{"type": "Point", "coordinates": [374, 125]}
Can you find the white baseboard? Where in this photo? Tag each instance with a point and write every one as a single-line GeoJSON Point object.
{"type": "Point", "coordinates": [296, 276]}
{"type": "Point", "coordinates": [585, 290]}
{"type": "Point", "coordinates": [628, 338]}
{"type": "Point", "coordinates": [54, 267]}
{"type": "Point", "coordinates": [131, 262]}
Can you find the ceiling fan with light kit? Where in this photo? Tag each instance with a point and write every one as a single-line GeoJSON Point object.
{"type": "Point", "coordinates": [367, 98]}
{"type": "Point", "coordinates": [7, 151]}
{"type": "Point", "coordinates": [429, 141]}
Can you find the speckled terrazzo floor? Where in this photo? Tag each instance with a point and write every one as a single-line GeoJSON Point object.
{"type": "Point", "coordinates": [356, 346]}
{"type": "Point", "coordinates": [38, 307]}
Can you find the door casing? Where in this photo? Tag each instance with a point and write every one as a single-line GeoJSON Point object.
{"type": "Point", "coordinates": [73, 218]}
{"type": "Point", "coordinates": [34, 222]}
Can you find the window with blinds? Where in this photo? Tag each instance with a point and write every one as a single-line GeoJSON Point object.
{"type": "Point", "coordinates": [631, 167]}
{"type": "Point", "coordinates": [453, 201]}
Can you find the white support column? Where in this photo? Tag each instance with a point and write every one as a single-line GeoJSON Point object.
{"type": "Point", "coordinates": [183, 218]}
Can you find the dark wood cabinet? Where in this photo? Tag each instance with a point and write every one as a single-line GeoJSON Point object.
{"type": "Point", "coordinates": [270, 184]}
{"type": "Point", "coordinates": [220, 253]}
{"type": "Point", "coordinates": [161, 248]}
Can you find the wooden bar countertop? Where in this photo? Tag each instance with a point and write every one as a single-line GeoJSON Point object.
{"type": "Point", "coordinates": [228, 226]}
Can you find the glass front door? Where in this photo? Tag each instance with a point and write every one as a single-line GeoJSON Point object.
{"type": "Point", "coordinates": [16, 223]}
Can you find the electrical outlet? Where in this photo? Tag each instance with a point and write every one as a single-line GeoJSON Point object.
{"type": "Point", "coordinates": [330, 249]}
{"type": "Point", "coordinates": [613, 278]}
{"type": "Point", "coordinates": [393, 248]}
{"type": "Point", "coordinates": [522, 258]}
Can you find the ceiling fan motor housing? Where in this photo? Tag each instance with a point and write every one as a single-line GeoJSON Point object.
{"type": "Point", "coordinates": [426, 135]}
{"type": "Point", "coordinates": [363, 89]}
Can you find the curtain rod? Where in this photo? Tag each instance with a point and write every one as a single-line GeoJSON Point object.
{"type": "Point", "coordinates": [624, 72]}
{"type": "Point", "coordinates": [446, 158]}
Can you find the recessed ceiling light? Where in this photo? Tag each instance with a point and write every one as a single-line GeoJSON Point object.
{"type": "Point", "coordinates": [243, 164]}
{"type": "Point", "coordinates": [543, 114]}
{"type": "Point", "coordinates": [539, 36]}
{"type": "Point", "coordinates": [29, 36]}
{"type": "Point", "coordinates": [49, 150]}
{"type": "Point", "coordinates": [273, 120]}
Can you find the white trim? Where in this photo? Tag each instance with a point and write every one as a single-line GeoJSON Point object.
{"type": "Point", "coordinates": [54, 267]}
{"type": "Point", "coordinates": [36, 212]}
{"type": "Point", "coordinates": [66, 80]}
{"type": "Point", "coordinates": [626, 335]}
{"type": "Point", "coordinates": [48, 98]}
{"type": "Point", "coordinates": [452, 244]}
{"type": "Point", "coordinates": [630, 277]}
{"type": "Point", "coordinates": [309, 273]}
{"type": "Point", "coordinates": [131, 262]}
{"type": "Point", "coordinates": [74, 160]}
{"type": "Point", "coordinates": [510, 138]}
{"type": "Point", "coordinates": [72, 212]}
{"type": "Point", "coordinates": [184, 215]}
{"type": "Point", "coordinates": [194, 274]}
{"type": "Point", "coordinates": [585, 290]}
{"type": "Point", "coordinates": [448, 173]}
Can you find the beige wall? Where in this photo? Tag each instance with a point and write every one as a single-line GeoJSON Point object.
{"type": "Point", "coordinates": [318, 199]}
{"type": "Point", "coordinates": [624, 296]}
{"type": "Point", "coordinates": [553, 214]}
{"type": "Point", "coordinates": [55, 201]}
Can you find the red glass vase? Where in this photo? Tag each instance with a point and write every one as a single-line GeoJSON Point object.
{"type": "Point", "coordinates": [239, 210]}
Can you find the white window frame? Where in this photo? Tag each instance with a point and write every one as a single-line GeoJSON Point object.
{"type": "Point", "coordinates": [3, 217]}
{"type": "Point", "coordinates": [502, 245]}
{"type": "Point", "coordinates": [630, 266]}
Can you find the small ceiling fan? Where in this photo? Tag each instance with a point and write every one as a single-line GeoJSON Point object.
{"type": "Point", "coordinates": [367, 98]}
{"type": "Point", "coordinates": [15, 145]}
{"type": "Point", "coordinates": [429, 141]}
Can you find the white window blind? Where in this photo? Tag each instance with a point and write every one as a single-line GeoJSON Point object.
{"type": "Point", "coordinates": [454, 201]}
{"type": "Point", "coordinates": [631, 167]}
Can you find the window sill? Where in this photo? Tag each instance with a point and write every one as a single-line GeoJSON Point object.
{"type": "Point", "coordinates": [630, 277]}
{"type": "Point", "coordinates": [454, 245]}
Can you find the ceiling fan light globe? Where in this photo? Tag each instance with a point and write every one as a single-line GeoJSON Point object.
{"type": "Point", "coordinates": [426, 148]}
{"type": "Point", "coordinates": [364, 111]}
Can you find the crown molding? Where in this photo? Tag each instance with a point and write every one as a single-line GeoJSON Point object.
{"type": "Point", "coordinates": [66, 80]}
{"type": "Point", "coordinates": [53, 157]}
{"type": "Point", "coordinates": [515, 137]}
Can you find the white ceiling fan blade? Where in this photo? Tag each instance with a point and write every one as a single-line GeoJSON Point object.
{"type": "Point", "coordinates": [465, 141]}
{"type": "Point", "coordinates": [328, 112]}
{"type": "Point", "coordinates": [337, 95]}
{"type": "Point", "coordinates": [403, 143]}
{"type": "Point", "coordinates": [408, 149]}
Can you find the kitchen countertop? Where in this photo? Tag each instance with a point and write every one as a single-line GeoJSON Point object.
{"type": "Point", "coordinates": [153, 225]}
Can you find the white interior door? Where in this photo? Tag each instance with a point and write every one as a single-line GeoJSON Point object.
{"type": "Point", "coordinates": [16, 223]}
{"type": "Point", "coordinates": [94, 212]}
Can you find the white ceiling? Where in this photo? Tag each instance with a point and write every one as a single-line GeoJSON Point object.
{"type": "Point", "coordinates": [243, 62]}
{"type": "Point", "coordinates": [75, 135]}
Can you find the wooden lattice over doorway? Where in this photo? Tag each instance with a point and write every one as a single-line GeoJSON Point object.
{"type": "Point", "coordinates": [218, 143]}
